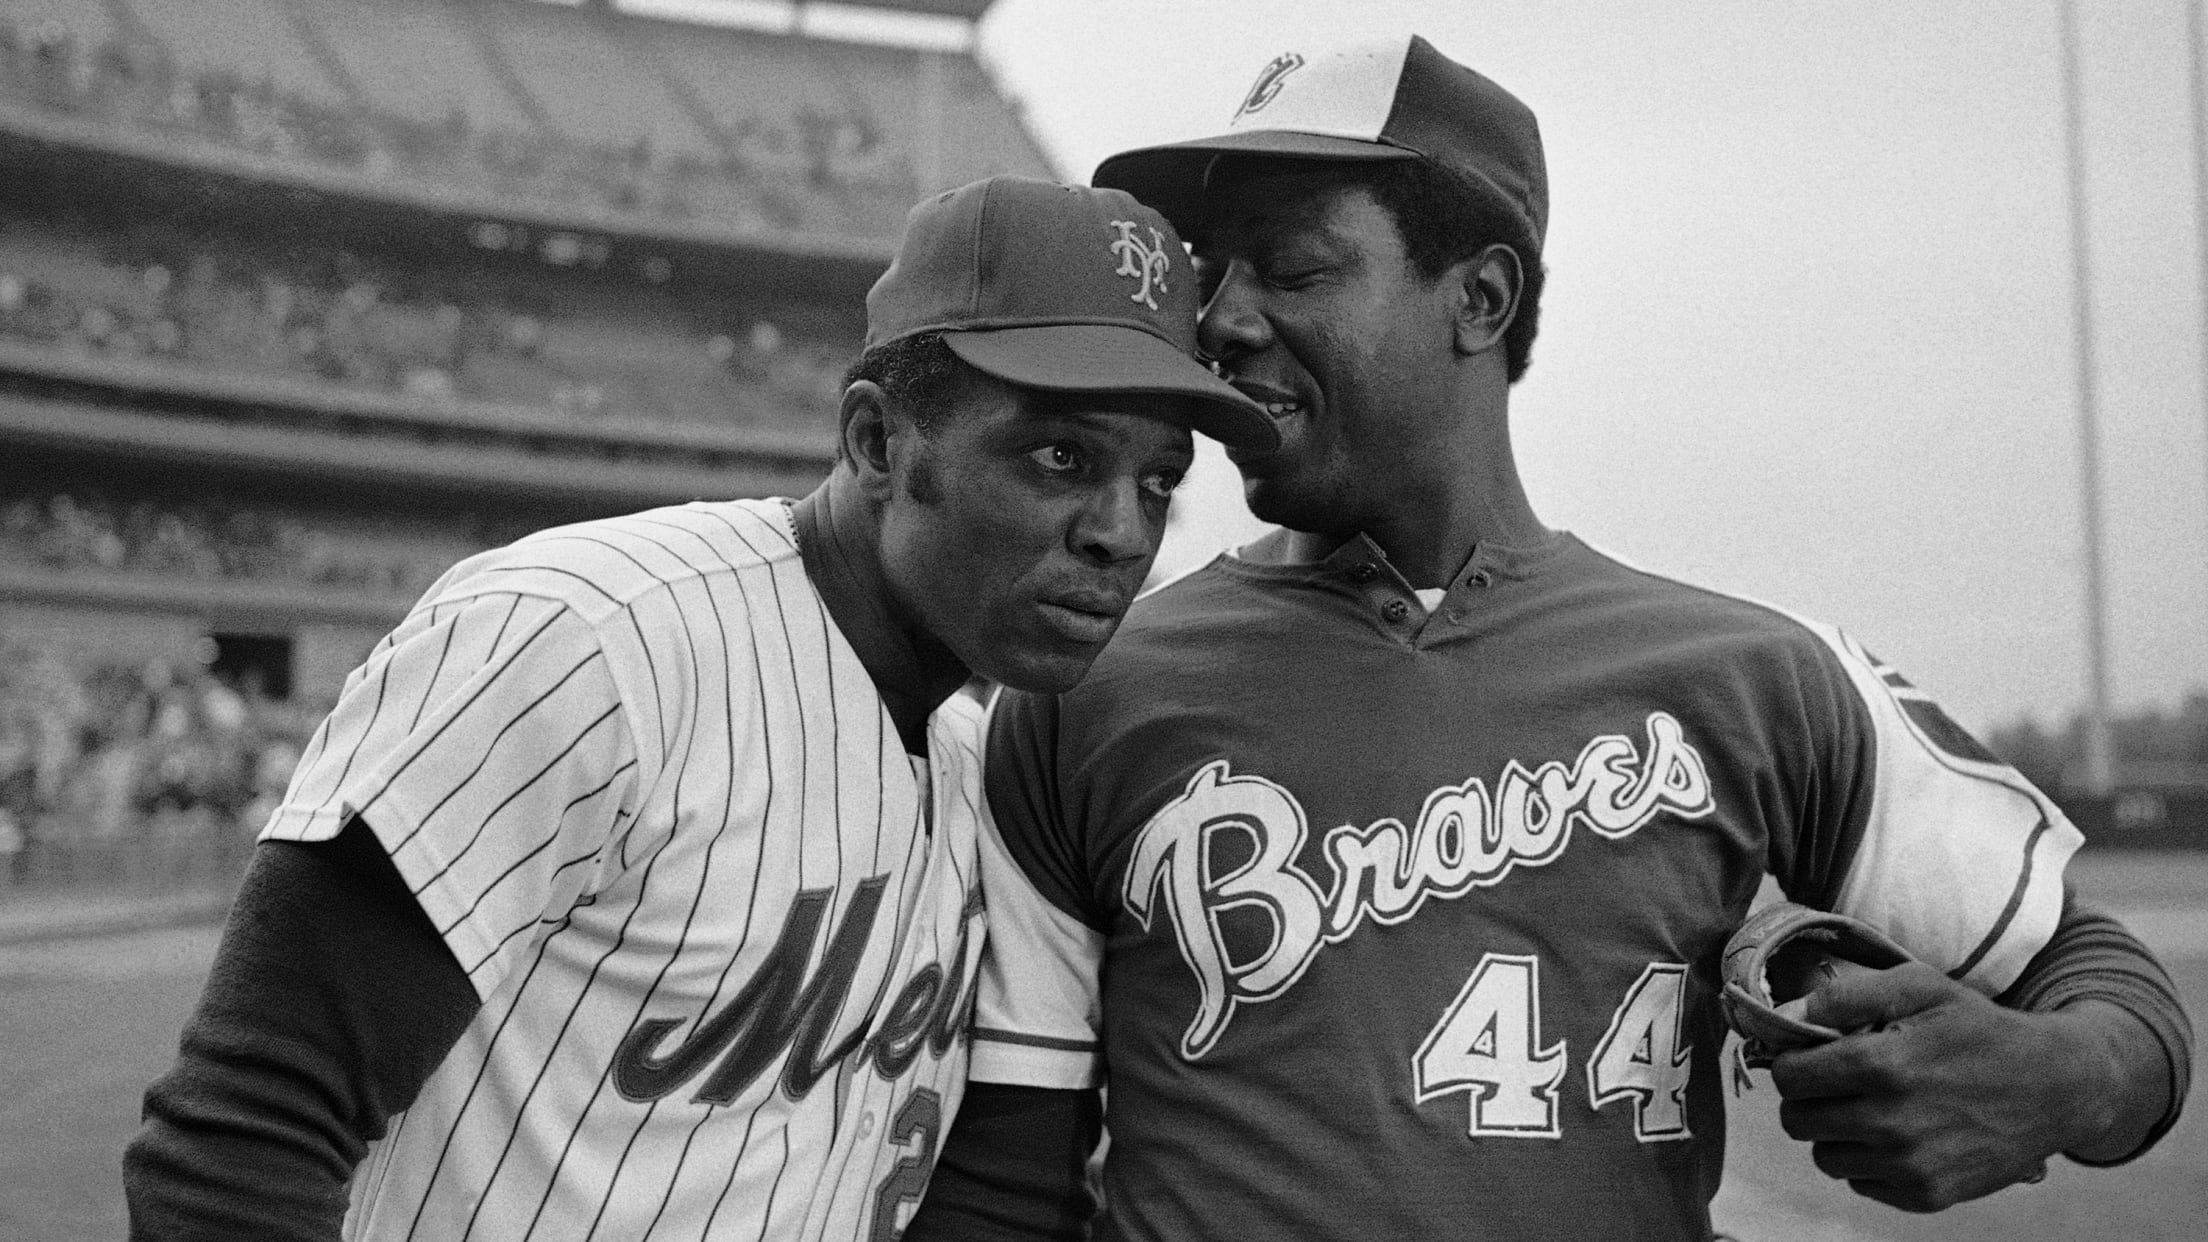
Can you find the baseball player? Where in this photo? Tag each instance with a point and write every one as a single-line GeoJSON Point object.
{"type": "Point", "coordinates": [1384, 866]}
{"type": "Point", "coordinates": [630, 890]}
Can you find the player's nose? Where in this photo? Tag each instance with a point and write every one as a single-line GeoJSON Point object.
{"type": "Point", "coordinates": [1114, 526]}
{"type": "Point", "coordinates": [1233, 323]}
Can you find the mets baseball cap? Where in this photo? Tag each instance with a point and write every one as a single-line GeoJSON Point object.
{"type": "Point", "coordinates": [1059, 287]}
{"type": "Point", "coordinates": [1396, 99]}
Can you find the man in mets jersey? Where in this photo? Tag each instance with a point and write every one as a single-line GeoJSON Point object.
{"type": "Point", "coordinates": [630, 890]}
{"type": "Point", "coordinates": [1385, 865]}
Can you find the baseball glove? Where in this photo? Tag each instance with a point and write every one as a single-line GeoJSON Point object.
{"type": "Point", "coordinates": [1777, 958]}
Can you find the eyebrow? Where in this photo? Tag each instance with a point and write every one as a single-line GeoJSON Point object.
{"type": "Point", "coordinates": [1271, 219]}
{"type": "Point", "coordinates": [1074, 407]}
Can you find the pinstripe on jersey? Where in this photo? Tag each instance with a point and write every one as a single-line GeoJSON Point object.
{"type": "Point", "coordinates": [652, 801]}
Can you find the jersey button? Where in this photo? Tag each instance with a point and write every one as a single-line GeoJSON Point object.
{"type": "Point", "coordinates": [1481, 578]}
{"type": "Point", "coordinates": [1395, 610]}
{"type": "Point", "coordinates": [1361, 574]}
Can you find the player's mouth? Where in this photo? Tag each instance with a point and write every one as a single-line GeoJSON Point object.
{"type": "Point", "coordinates": [1280, 405]}
{"type": "Point", "coordinates": [1083, 617]}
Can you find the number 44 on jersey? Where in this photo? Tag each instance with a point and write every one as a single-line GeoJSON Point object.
{"type": "Point", "coordinates": [1488, 1045]}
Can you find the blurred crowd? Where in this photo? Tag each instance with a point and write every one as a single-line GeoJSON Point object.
{"type": "Point", "coordinates": [214, 539]}
{"type": "Point", "coordinates": [133, 757]}
{"type": "Point", "coordinates": [334, 318]}
{"type": "Point", "coordinates": [851, 182]}
{"type": "Point", "coordinates": [107, 755]}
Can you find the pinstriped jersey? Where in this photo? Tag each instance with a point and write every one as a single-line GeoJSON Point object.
{"type": "Point", "coordinates": [723, 928]}
{"type": "Point", "coordinates": [1392, 923]}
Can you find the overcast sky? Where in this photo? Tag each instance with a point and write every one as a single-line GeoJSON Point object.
{"type": "Point", "coordinates": [1808, 328]}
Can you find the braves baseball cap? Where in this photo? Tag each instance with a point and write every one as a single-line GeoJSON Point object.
{"type": "Point", "coordinates": [1059, 287]}
{"type": "Point", "coordinates": [1395, 99]}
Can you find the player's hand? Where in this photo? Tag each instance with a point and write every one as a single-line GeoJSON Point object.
{"type": "Point", "coordinates": [1938, 1095]}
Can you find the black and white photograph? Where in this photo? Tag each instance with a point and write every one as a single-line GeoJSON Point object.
{"type": "Point", "coordinates": [994, 620]}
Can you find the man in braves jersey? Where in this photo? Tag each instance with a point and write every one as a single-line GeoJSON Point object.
{"type": "Point", "coordinates": [630, 891]}
{"type": "Point", "coordinates": [1382, 868]}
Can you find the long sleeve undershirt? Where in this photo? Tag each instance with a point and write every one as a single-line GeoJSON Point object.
{"type": "Point", "coordinates": [332, 999]}
{"type": "Point", "coordinates": [2092, 957]}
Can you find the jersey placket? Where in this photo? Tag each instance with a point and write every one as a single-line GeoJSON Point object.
{"type": "Point", "coordinates": [1394, 603]}
{"type": "Point", "coordinates": [1461, 606]}
{"type": "Point", "coordinates": [1365, 572]}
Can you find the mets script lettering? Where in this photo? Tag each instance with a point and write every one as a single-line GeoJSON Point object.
{"type": "Point", "coordinates": [780, 1010]}
{"type": "Point", "coordinates": [1149, 262]}
{"type": "Point", "coordinates": [1465, 837]}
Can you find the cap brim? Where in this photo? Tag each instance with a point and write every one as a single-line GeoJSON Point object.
{"type": "Point", "coordinates": [1171, 178]}
{"type": "Point", "coordinates": [1089, 357]}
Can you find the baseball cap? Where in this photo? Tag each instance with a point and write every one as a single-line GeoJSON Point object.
{"type": "Point", "coordinates": [1059, 287]}
{"type": "Point", "coordinates": [1394, 99]}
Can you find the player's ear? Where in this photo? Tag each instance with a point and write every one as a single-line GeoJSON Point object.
{"type": "Point", "coordinates": [863, 429]}
{"type": "Point", "coordinates": [1485, 288]}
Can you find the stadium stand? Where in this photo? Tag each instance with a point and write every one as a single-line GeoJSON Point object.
{"type": "Point", "coordinates": [741, 130]}
{"type": "Point", "coordinates": [303, 300]}
{"type": "Point", "coordinates": [533, 44]}
{"type": "Point", "coordinates": [242, 39]}
{"type": "Point", "coordinates": [408, 62]}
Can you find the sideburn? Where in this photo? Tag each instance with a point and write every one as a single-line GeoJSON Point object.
{"type": "Point", "coordinates": [921, 482]}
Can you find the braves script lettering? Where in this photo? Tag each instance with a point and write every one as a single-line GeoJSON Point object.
{"type": "Point", "coordinates": [1149, 262]}
{"type": "Point", "coordinates": [1465, 837]}
{"type": "Point", "coordinates": [1268, 82]}
{"type": "Point", "coordinates": [780, 1011]}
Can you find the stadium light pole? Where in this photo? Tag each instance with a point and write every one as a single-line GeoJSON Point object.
{"type": "Point", "coordinates": [2196, 30]}
{"type": "Point", "coordinates": [2100, 759]}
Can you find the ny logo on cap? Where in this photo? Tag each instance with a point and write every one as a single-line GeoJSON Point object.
{"type": "Point", "coordinates": [1268, 82]}
{"type": "Point", "coordinates": [1150, 262]}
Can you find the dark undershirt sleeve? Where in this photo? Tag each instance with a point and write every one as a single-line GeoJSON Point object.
{"type": "Point", "coordinates": [2092, 957]}
{"type": "Point", "coordinates": [331, 1000]}
{"type": "Point", "coordinates": [1015, 1166]}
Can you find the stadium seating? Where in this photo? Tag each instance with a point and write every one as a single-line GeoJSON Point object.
{"type": "Point", "coordinates": [81, 23]}
{"type": "Point", "coordinates": [248, 39]}
{"type": "Point", "coordinates": [409, 60]}
{"type": "Point", "coordinates": [755, 131]}
{"type": "Point", "coordinates": [300, 300]}
{"type": "Point", "coordinates": [209, 539]}
{"type": "Point", "coordinates": [333, 317]}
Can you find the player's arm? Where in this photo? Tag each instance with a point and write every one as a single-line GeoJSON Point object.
{"type": "Point", "coordinates": [1014, 1166]}
{"type": "Point", "coordinates": [467, 783]}
{"type": "Point", "coordinates": [2095, 967]}
{"type": "Point", "coordinates": [331, 1000]}
{"type": "Point", "coordinates": [1014, 1163]}
{"type": "Point", "coordinates": [1947, 1095]}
